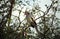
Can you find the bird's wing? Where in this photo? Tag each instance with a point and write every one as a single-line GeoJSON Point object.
{"type": "Point", "coordinates": [33, 21]}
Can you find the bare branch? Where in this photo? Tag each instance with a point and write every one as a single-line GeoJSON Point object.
{"type": "Point", "coordinates": [50, 6]}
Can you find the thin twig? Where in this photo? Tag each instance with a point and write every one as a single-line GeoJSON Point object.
{"type": "Point", "coordinates": [50, 7]}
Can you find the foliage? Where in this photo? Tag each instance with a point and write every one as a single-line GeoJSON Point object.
{"type": "Point", "coordinates": [11, 26]}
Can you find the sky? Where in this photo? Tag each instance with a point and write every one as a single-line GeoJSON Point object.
{"type": "Point", "coordinates": [40, 2]}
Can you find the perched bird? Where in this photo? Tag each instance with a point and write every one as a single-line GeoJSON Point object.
{"type": "Point", "coordinates": [30, 19]}
{"type": "Point", "coordinates": [32, 22]}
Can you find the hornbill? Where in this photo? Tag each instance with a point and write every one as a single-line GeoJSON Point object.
{"type": "Point", "coordinates": [30, 19]}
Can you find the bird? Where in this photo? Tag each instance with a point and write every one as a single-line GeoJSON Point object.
{"type": "Point", "coordinates": [30, 19]}
{"type": "Point", "coordinates": [32, 22]}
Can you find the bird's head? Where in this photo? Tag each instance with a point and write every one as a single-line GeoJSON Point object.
{"type": "Point", "coordinates": [26, 13]}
